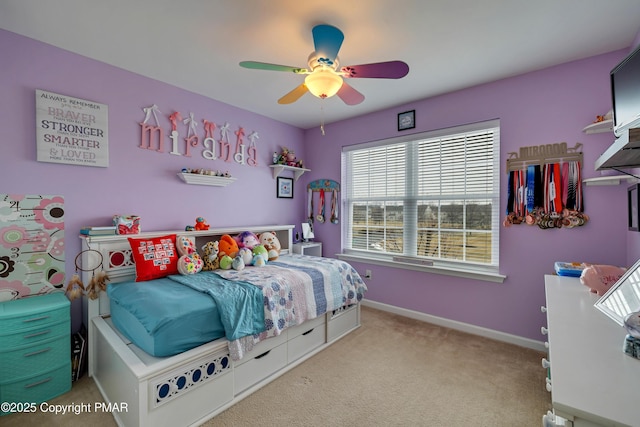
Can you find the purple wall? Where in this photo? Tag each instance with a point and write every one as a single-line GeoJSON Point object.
{"type": "Point", "coordinates": [547, 106]}
{"type": "Point", "coordinates": [137, 181]}
{"type": "Point", "coordinates": [551, 105]}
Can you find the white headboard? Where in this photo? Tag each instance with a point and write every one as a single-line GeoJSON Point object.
{"type": "Point", "coordinates": [114, 252]}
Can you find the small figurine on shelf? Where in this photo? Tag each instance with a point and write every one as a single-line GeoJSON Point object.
{"type": "Point", "coordinates": [287, 158]}
{"type": "Point", "coordinates": [201, 224]}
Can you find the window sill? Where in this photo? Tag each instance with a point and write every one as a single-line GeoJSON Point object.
{"type": "Point", "coordinates": [448, 271]}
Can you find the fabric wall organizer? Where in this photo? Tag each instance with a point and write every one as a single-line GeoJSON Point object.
{"type": "Point", "coordinates": [327, 190]}
{"type": "Point", "coordinates": [545, 187]}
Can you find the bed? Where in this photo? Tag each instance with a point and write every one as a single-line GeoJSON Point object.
{"type": "Point", "coordinates": [153, 371]}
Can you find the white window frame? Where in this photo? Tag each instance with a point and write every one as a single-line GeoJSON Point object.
{"type": "Point", "coordinates": [409, 260]}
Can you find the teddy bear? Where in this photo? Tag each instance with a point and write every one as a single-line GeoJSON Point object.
{"type": "Point", "coordinates": [210, 258]}
{"type": "Point", "coordinates": [271, 243]}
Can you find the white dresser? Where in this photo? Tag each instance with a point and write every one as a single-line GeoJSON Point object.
{"type": "Point", "coordinates": [593, 383]}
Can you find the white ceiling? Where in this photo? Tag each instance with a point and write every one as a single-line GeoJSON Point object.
{"type": "Point", "coordinates": [448, 44]}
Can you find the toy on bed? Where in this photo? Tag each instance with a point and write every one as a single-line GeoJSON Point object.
{"type": "Point", "coordinates": [227, 246]}
{"type": "Point", "coordinates": [247, 239]}
{"type": "Point", "coordinates": [599, 278]}
{"type": "Point", "coordinates": [271, 243]}
{"type": "Point", "coordinates": [210, 256]}
{"type": "Point", "coordinates": [260, 256]}
{"type": "Point", "coordinates": [201, 224]}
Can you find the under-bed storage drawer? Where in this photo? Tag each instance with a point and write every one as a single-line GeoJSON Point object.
{"type": "Point", "coordinates": [342, 321]}
{"type": "Point", "coordinates": [259, 367]}
{"type": "Point", "coordinates": [306, 337]}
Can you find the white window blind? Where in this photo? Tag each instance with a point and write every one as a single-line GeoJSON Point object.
{"type": "Point", "coordinates": [432, 196]}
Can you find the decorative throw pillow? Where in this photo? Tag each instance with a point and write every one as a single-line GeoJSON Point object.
{"type": "Point", "coordinates": [155, 257]}
{"type": "Point", "coordinates": [186, 245]}
{"type": "Point", "coordinates": [190, 264]}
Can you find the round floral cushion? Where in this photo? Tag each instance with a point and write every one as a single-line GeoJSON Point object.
{"type": "Point", "coordinates": [190, 264]}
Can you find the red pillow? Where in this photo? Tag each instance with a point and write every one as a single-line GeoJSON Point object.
{"type": "Point", "coordinates": [154, 257]}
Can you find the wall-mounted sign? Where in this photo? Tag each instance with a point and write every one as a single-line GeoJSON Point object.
{"type": "Point", "coordinates": [71, 130]}
{"type": "Point", "coordinates": [152, 137]}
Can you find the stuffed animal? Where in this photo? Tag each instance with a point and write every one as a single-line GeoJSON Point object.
{"type": "Point", "coordinates": [225, 262]}
{"type": "Point", "coordinates": [201, 224]}
{"type": "Point", "coordinates": [247, 239]}
{"type": "Point", "coordinates": [246, 255]}
{"type": "Point", "coordinates": [227, 246]}
{"type": "Point", "coordinates": [210, 258]}
{"type": "Point", "coordinates": [237, 263]}
{"type": "Point", "coordinates": [271, 243]}
{"type": "Point", "coordinates": [599, 278]}
{"type": "Point", "coordinates": [260, 252]}
{"type": "Point", "coordinates": [258, 261]}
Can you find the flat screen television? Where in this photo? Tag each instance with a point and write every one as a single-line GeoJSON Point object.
{"type": "Point", "coordinates": [625, 91]}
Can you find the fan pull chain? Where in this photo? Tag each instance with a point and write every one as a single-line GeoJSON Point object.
{"type": "Point", "coordinates": [322, 117]}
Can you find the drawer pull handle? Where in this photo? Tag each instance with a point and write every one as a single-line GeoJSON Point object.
{"type": "Point", "coordinates": [35, 319]}
{"type": "Point", "coordinates": [37, 334]}
{"type": "Point", "coordinates": [263, 354]}
{"type": "Point", "coordinates": [33, 353]}
{"type": "Point", "coordinates": [37, 383]}
{"type": "Point", "coordinates": [309, 331]}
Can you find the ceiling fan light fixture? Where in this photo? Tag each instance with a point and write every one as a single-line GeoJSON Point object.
{"type": "Point", "coordinates": [323, 82]}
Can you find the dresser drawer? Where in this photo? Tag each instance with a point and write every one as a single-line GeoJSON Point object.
{"type": "Point", "coordinates": [342, 321]}
{"type": "Point", "coordinates": [33, 359]}
{"type": "Point", "coordinates": [312, 336]}
{"type": "Point", "coordinates": [259, 368]}
{"type": "Point", "coordinates": [33, 312]}
{"type": "Point", "coordinates": [35, 335]}
{"type": "Point", "coordinates": [38, 388]}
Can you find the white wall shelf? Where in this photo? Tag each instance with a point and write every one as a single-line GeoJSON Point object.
{"type": "Point", "coordinates": [610, 180]}
{"type": "Point", "coordinates": [297, 172]}
{"type": "Point", "coordinates": [599, 127]}
{"type": "Point", "coordinates": [197, 179]}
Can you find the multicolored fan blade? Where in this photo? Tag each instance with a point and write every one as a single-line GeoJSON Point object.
{"type": "Point", "coordinates": [327, 40]}
{"type": "Point", "coordinates": [349, 95]}
{"type": "Point", "coordinates": [294, 95]}
{"type": "Point", "coordinates": [378, 70]}
{"type": "Point", "coordinates": [272, 67]}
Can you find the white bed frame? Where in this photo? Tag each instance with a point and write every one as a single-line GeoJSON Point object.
{"type": "Point", "coordinates": [194, 386]}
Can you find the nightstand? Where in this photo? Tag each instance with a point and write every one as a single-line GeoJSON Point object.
{"type": "Point", "coordinates": [35, 348]}
{"type": "Point", "coordinates": [308, 248]}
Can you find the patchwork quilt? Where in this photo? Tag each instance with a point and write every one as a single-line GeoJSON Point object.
{"type": "Point", "coordinates": [282, 294]}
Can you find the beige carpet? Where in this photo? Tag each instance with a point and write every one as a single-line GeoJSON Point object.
{"type": "Point", "coordinates": [393, 371]}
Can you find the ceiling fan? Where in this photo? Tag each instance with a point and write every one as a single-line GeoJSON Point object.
{"type": "Point", "coordinates": [325, 76]}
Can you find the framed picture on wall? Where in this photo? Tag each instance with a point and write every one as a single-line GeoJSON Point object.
{"type": "Point", "coordinates": [633, 202]}
{"type": "Point", "coordinates": [285, 188]}
{"type": "Point", "coordinates": [407, 120]}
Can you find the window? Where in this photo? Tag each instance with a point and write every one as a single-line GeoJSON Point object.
{"type": "Point", "coordinates": [426, 198]}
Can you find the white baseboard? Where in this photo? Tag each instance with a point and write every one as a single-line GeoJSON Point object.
{"type": "Point", "coordinates": [460, 326]}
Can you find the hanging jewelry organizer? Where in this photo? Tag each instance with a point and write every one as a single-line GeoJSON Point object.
{"type": "Point", "coordinates": [545, 186]}
{"type": "Point", "coordinates": [322, 186]}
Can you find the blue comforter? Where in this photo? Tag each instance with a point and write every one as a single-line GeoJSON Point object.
{"type": "Point", "coordinates": [240, 303]}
